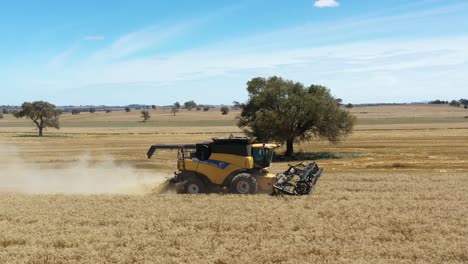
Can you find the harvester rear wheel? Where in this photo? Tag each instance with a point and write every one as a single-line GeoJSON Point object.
{"type": "Point", "coordinates": [194, 186]}
{"type": "Point", "coordinates": [243, 183]}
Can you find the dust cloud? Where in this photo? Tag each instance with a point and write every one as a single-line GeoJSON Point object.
{"type": "Point", "coordinates": [84, 176]}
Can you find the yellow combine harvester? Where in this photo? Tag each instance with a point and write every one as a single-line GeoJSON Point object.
{"type": "Point", "coordinates": [236, 164]}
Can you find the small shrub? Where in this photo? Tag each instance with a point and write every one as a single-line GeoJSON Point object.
{"type": "Point", "coordinates": [92, 110]}
{"type": "Point", "coordinates": [224, 110]}
{"type": "Point", "coordinates": [206, 108]}
{"type": "Point", "coordinates": [466, 106]}
{"type": "Point", "coordinates": [127, 109]}
{"type": "Point", "coordinates": [108, 111]}
{"type": "Point", "coordinates": [349, 106]}
{"type": "Point", "coordinates": [145, 115]}
{"type": "Point", "coordinates": [1, 116]}
{"type": "Point", "coordinates": [75, 112]}
{"type": "Point", "coordinates": [5, 111]}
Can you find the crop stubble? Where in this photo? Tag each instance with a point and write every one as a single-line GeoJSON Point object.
{"type": "Point", "coordinates": [401, 199]}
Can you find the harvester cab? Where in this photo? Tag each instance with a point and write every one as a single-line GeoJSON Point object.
{"type": "Point", "coordinates": [236, 165]}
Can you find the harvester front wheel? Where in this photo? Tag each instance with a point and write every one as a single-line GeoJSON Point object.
{"type": "Point", "coordinates": [243, 183]}
{"type": "Point", "coordinates": [194, 186]}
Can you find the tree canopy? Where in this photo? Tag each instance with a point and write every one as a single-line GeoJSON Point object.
{"type": "Point", "coordinates": [43, 114]}
{"type": "Point", "coordinates": [189, 105]}
{"type": "Point", "coordinates": [281, 111]}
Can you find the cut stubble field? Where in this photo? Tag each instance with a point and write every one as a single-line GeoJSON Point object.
{"type": "Point", "coordinates": [394, 192]}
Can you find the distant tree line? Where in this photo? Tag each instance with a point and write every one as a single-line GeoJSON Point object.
{"type": "Point", "coordinates": [455, 103]}
{"type": "Point", "coordinates": [438, 102]}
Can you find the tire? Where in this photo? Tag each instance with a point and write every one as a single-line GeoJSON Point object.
{"type": "Point", "coordinates": [243, 183]}
{"type": "Point", "coordinates": [194, 186]}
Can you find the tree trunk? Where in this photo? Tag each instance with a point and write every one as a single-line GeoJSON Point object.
{"type": "Point", "coordinates": [289, 147]}
{"type": "Point", "coordinates": [40, 131]}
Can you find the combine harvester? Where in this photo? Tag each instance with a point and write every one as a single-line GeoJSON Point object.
{"type": "Point", "coordinates": [236, 165]}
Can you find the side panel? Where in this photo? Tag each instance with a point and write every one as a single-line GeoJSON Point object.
{"type": "Point", "coordinates": [265, 182]}
{"type": "Point", "coordinates": [190, 165]}
{"type": "Point", "coordinates": [219, 166]}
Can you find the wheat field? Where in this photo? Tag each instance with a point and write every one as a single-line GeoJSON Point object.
{"type": "Point", "coordinates": [396, 191]}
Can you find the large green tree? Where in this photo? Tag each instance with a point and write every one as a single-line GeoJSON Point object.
{"type": "Point", "coordinates": [43, 114]}
{"type": "Point", "coordinates": [284, 111]}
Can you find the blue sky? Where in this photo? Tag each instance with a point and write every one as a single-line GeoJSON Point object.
{"type": "Point", "coordinates": [158, 52]}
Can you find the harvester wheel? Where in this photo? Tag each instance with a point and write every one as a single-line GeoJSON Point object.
{"type": "Point", "coordinates": [243, 183]}
{"type": "Point", "coordinates": [194, 186]}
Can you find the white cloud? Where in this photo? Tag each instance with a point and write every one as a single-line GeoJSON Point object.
{"type": "Point", "coordinates": [326, 3]}
{"type": "Point", "coordinates": [94, 37]}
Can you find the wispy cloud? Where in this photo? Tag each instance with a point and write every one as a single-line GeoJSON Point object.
{"type": "Point", "coordinates": [61, 58]}
{"type": "Point", "coordinates": [94, 37]}
{"type": "Point", "coordinates": [152, 37]}
{"type": "Point", "coordinates": [326, 3]}
{"type": "Point", "coordinates": [407, 63]}
{"type": "Point", "coordinates": [138, 41]}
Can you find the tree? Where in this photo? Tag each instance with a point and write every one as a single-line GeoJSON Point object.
{"type": "Point", "coordinates": [145, 115]}
{"type": "Point", "coordinates": [339, 101]}
{"type": "Point", "coordinates": [455, 103]}
{"type": "Point", "coordinates": [206, 108]}
{"type": "Point", "coordinates": [174, 110]}
{"type": "Point", "coordinates": [199, 107]}
{"type": "Point", "coordinates": [190, 105]}
{"type": "Point", "coordinates": [92, 110]}
{"type": "Point", "coordinates": [285, 111]}
{"type": "Point", "coordinates": [349, 106]}
{"type": "Point", "coordinates": [43, 114]}
{"type": "Point", "coordinates": [153, 107]}
{"type": "Point", "coordinates": [463, 101]}
{"type": "Point", "coordinates": [224, 110]}
{"type": "Point", "coordinates": [236, 105]}
{"type": "Point", "coordinates": [127, 109]}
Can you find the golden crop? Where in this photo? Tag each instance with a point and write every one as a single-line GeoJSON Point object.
{"type": "Point", "coordinates": [398, 194]}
